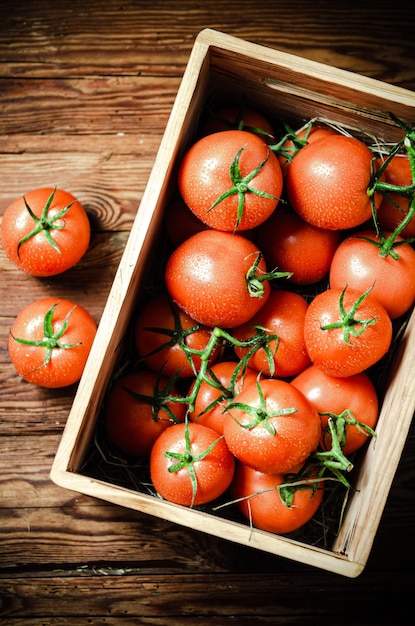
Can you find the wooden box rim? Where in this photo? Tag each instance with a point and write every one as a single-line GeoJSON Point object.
{"type": "Point", "coordinates": [344, 94]}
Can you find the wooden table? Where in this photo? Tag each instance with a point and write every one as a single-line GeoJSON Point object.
{"type": "Point", "coordinates": [86, 88]}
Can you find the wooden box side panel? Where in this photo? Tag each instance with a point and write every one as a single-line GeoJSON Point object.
{"type": "Point", "coordinates": [381, 459]}
{"type": "Point", "coordinates": [290, 85]}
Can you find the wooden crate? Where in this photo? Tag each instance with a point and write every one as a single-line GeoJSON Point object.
{"type": "Point", "coordinates": [225, 68]}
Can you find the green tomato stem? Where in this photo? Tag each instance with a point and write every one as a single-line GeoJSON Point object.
{"type": "Point", "coordinates": [45, 224]}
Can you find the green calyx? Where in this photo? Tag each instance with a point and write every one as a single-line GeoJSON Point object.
{"type": "Point", "coordinates": [348, 323]}
{"type": "Point", "coordinates": [45, 223]}
{"type": "Point", "coordinates": [388, 246]}
{"type": "Point", "coordinates": [261, 414]}
{"type": "Point", "coordinates": [188, 459]}
{"type": "Point", "coordinates": [51, 339]}
{"type": "Point", "coordinates": [255, 280]}
{"type": "Point", "coordinates": [160, 398]}
{"type": "Point", "coordinates": [240, 186]}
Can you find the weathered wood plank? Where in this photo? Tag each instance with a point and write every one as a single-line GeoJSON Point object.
{"type": "Point", "coordinates": [109, 186]}
{"type": "Point", "coordinates": [87, 284]}
{"type": "Point", "coordinates": [95, 105]}
{"type": "Point", "coordinates": [155, 38]}
{"type": "Point", "coordinates": [193, 596]}
{"type": "Point", "coordinates": [142, 145]}
{"type": "Point", "coordinates": [85, 531]}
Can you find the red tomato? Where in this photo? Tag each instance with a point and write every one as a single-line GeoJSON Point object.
{"type": "Point", "coordinates": [328, 394]}
{"type": "Point", "coordinates": [394, 206]}
{"type": "Point", "coordinates": [50, 341]}
{"type": "Point", "coordinates": [163, 333]}
{"type": "Point", "coordinates": [282, 315]}
{"type": "Point", "coordinates": [238, 118]}
{"type": "Point", "coordinates": [193, 468]}
{"type": "Point", "coordinates": [271, 427]}
{"type": "Point", "coordinates": [223, 384]}
{"type": "Point", "coordinates": [346, 331]}
{"type": "Point", "coordinates": [231, 180]}
{"type": "Point", "coordinates": [293, 245]}
{"type": "Point", "coordinates": [307, 135]}
{"type": "Point", "coordinates": [359, 264]}
{"type": "Point", "coordinates": [207, 277]}
{"type": "Point", "coordinates": [137, 411]}
{"type": "Point", "coordinates": [327, 183]}
{"type": "Point", "coordinates": [45, 232]}
{"type": "Point", "coordinates": [263, 504]}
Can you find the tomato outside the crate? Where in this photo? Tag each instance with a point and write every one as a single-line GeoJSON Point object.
{"type": "Point", "coordinates": [61, 238]}
{"type": "Point", "coordinates": [64, 332]}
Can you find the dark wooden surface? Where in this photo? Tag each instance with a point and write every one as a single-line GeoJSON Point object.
{"type": "Point", "coordinates": [86, 88]}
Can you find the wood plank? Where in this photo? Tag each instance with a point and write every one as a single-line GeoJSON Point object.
{"type": "Point", "coordinates": [84, 531]}
{"type": "Point", "coordinates": [139, 144]}
{"type": "Point", "coordinates": [87, 284]}
{"type": "Point", "coordinates": [195, 596]}
{"type": "Point", "coordinates": [74, 38]}
{"type": "Point", "coordinates": [94, 105]}
{"type": "Point", "coordinates": [109, 186]}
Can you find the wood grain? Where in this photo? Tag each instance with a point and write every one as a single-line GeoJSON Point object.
{"type": "Point", "coordinates": [86, 89]}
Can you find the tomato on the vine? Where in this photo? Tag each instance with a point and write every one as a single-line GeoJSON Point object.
{"type": "Point", "coordinates": [137, 410]}
{"type": "Point", "coordinates": [50, 341]}
{"type": "Point", "coordinates": [190, 464]}
{"type": "Point", "coordinates": [361, 263]}
{"type": "Point", "coordinates": [45, 232]}
{"type": "Point", "coordinates": [223, 382]}
{"type": "Point", "coordinates": [218, 278]}
{"type": "Point", "coordinates": [231, 180]}
{"type": "Point", "coordinates": [394, 206]}
{"type": "Point", "coordinates": [328, 180]}
{"type": "Point", "coordinates": [282, 319]}
{"type": "Point", "coordinates": [353, 400]}
{"type": "Point", "coordinates": [270, 503]}
{"type": "Point", "coordinates": [346, 331]}
{"type": "Point", "coordinates": [293, 245]}
{"type": "Point", "coordinates": [271, 426]}
{"type": "Point", "coordinates": [312, 132]}
{"type": "Point", "coordinates": [165, 338]}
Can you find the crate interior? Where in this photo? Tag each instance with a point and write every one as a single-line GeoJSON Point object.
{"type": "Point", "coordinates": [280, 92]}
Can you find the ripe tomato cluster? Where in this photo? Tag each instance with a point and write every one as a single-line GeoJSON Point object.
{"type": "Point", "coordinates": [45, 233]}
{"type": "Point", "coordinates": [285, 277]}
